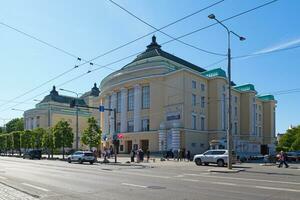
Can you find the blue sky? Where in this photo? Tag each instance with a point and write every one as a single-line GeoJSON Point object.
{"type": "Point", "coordinates": [90, 28]}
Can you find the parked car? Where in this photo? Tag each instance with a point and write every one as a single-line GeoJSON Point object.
{"type": "Point", "coordinates": [32, 154]}
{"type": "Point", "coordinates": [218, 157]}
{"type": "Point", "coordinates": [82, 156]}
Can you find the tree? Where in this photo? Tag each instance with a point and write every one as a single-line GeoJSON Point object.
{"type": "Point", "coordinates": [37, 137]}
{"type": "Point", "coordinates": [9, 143]}
{"type": "Point", "coordinates": [2, 143]}
{"type": "Point", "coordinates": [27, 139]}
{"type": "Point", "coordinates": [17, 141]}
{"type": "Point", "coordinates": [16, 124]}
{"type": "Point", "coordinates": [63, 135]}
{"type": "Point", "coordinates": [290, 141]}
{"type": "Point", "coordinates": [91, 135]}
{"type": "Point", "coordinates": [48, 142]}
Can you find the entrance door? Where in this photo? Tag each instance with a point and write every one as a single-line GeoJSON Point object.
{"type": "Point", "coordinates": [145, 145]}
{"type": "Point", "coordinates": [129, 146]}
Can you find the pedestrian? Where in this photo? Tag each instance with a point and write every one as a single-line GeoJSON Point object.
{"type": "Point", "coordinates": [132, 154]}
{"type": "Point", "coordinates": [282, 159]}
{"type": "Point", "coordinates": [141, 155]}
{"type": "Point", "coordinates": [178, 154]}
{"type": "Point", "coordinates": [148, 155]}
{"type": "Point", "coordinates": [188, 155]}
{"type": "Point", "coordinates": [138, 156]}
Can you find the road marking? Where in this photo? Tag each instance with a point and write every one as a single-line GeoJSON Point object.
{"type": "Point", "coordinates": [244, 179]}
{"type": "Point", "coordinates": [36, 187]}
{"type": "Point", "coordinates": [274, 188]}
{"type": "Point", "coordinates": [223, 183]}
{"type": "Point", "coordinates": [3, 178]}
{"type": "Point", "coordinates": [133, 185]}
{"type": "Point", "coordinates": [191, 180]}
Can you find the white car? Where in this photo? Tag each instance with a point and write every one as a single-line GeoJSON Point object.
{"type": "Point", "coordinates": [82, 156]}
{"type": "Point", "coordinates": [218, 156]}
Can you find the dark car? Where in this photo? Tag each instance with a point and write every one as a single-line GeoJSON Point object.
{"type": "Point", "coordinates": [32, 154]}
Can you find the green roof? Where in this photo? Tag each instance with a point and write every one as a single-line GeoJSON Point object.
{"type": "Point", "coordinates": [54, 96]}
{"type": "Point", "coordinates": [267, 97]}
{"type": "Point", "coordinates": [154, 50]}
{"type": "Point", "coordinates": [244, 88]}
{"type": "Point", "coordinates": [214, 73]}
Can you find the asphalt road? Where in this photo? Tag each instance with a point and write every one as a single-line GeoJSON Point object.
{"type": "Point", "coordinates": [45, 179]}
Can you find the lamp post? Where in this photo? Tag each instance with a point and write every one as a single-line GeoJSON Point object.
{"type": "Point", "coordinates": [76, 104]}
{"type": "Point", "coordinates": [229, 124]}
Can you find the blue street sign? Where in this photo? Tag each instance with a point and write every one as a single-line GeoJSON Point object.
{"type": "Point", "coordinates": [101, 108]}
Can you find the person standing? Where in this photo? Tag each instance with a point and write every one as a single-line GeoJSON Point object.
{"type": "Point", "coordinates": [188, 155]}
{"type": "Point", "coordinates": [132, 154]}
{"type": "Point", "coordinates": [283, 159]}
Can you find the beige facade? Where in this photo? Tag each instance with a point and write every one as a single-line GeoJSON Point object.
{"type": "Point", "coordinates": [54, 108]}
{"type": "Point", "coordinates": [166, 103]}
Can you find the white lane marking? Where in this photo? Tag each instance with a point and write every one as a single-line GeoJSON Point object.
{"type": "Point", "coordinates": [191, 180]}
{"type": "Point", "coordinates": [36, 187]}
{"type": "Point", "coordinates": [244, 179]}
{"type": "Point", "coordinates": [3, 178]}
{"type": "Point", "coordinates": [278, 189]}
{"type": "Point", "coordinates": [179, 176]}
{"type": "Point", "coordinates": [134, 185]}
{"type": "Point", "coordinates": [223, 183]}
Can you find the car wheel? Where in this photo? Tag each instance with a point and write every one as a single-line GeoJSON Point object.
{"type": "Point", "coordinates": [69, 160]}
{"type": "Point", "coordinates": [220, 163]}
{"type": "Point", "coordinates": [80, 161]}
{"type": "Point", "coordinates": [206, 164]}
{"type": "Point", "coordinates": [198, 161]}
{"type": "Point", "coordinates": [91, 162]}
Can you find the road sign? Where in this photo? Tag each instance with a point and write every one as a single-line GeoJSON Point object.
{"type": "Point", "coordinates": [101, 108]}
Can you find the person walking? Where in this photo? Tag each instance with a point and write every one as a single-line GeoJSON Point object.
{"type": "Point", "coordinates": [132, 154]}
{"type": "Point", "coordinates": [148, 155]}
{"type": "Point", "coordinates": [283, 159]}
{"type": "Point", "coordinates": [188, 155]}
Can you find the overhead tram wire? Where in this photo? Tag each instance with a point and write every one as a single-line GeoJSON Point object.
{"type": "Point", "coordinates": [195, 31]}
{"type": "Point", "coordinates": [164, 33]}
{"type": "Point", "coordinates": [89, 61]}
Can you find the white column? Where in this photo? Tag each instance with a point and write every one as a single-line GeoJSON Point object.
{"type": "Point", "coordinates": [123, 110]}
{"type": "Point", "coordinates": [113, 105]}
{"type": "Point", "coordinates": [162, 139]}
{"type": "Point", "coordinates": [106, 116]}
{"type": "Point", "coordinates": [175, 139]}
{"type": "Point", "coordinates": [137, 108]}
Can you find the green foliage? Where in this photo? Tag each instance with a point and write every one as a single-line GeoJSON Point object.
{"type": "Point", "coordinates": [16, 124]}
{"type": "Point", "coordinates": [16, 139]}
{"type": "Point", "coordinates": [290, 141]}
{"type": "Point", "coordinates": [63, 135]}
{"type": "Point", "coordinates": [37, 137]}
{"type": "Point", "coordinates": [2, 142]}
{"type": "Point", "coordinates": [47, 139]}
{"type": "Point", "coordinates": [27, 139]}
{"type": "Point", "coordinates": [92, 135]}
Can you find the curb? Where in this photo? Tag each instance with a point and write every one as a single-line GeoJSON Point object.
{"type": "Point", "coordinates": [226, 170]}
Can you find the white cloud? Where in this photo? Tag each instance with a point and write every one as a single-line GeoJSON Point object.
{"type": "Point", "coordinates": [279, 46]}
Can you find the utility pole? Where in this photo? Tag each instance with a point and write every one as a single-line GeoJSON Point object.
{"type": "Point", "coordinates": [229, 124]}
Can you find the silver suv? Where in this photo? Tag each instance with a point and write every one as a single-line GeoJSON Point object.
{"type": "Point", "coordinates": [218, 156]}
{"type": "Point", "coordinates": [82, 156]}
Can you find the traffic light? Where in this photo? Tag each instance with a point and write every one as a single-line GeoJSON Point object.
{"type": "Point", "coordinates": [72, 103]}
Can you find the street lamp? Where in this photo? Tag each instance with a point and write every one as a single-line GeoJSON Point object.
{"type": "Point", "coordinates": [76, 104]}
{"type": "Point", "coordinates": [229, 128]}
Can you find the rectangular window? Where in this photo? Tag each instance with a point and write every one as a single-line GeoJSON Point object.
{"type": "Point", "coordinates": [194, 122]}
{"type": "Point", "coordinates": [259, 131]}
{"type": "Point", "coordinates": [145, 97]}
{"type": "Point", "coordinates": [118, 102]}
{"type": "Point", "coordinates": [235, 128]}
{"type": "Point", "coordinates": [130, 126]}
{"type": "Point", "coordinates": [193, 99]}
{"type": "Point", "coordinates": [202, 87]}
{"type": "Point", "coordinates": [118, 127]}
{"type": "Point", "coordinates": [109, 104]}
{"type": "Point", "coordinates": [259, 117]}
{"type": "Point", "coordinates": [235, 112]}
{"type": "Point", "coordinates": [202, 123]}
{"type": "Point", "coordinates": [130, 99]}
{"type": "Point", "coordinates": [235, 99]}
{"type": "Point", "coordinates": [145, 125]}
{"type": "Point", "coordinates": [194, 84]}
{"type": "Point", "coordinates": [202, 102]}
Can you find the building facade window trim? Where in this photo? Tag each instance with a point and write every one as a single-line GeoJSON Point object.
{"type": "Point", "coordinates": [130, 101]}
{"type": "Point", "coordinates": [146, 97]}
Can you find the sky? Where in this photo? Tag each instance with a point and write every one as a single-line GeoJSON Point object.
{"type": "Point", "coordinates": [87, 29]}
